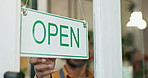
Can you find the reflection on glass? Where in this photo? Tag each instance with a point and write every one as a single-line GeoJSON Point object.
{"type": "Point", "coordinates": [134, 40]}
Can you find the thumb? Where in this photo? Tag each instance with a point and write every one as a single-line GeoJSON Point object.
{"type": "Point", "coordinates": [51, 59]}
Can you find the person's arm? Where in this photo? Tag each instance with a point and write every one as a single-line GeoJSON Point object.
{"type": "Point", "coordinates": [43, 67]}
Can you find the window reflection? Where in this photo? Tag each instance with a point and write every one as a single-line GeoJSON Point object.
{"type": "Point", "coordinates": [134, 40]}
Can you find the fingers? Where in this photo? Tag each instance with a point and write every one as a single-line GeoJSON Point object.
{"type": "Point", "coordinates": [43, 67]}
{"type": "Point", "coordinates": [51, 59]}
{"type": "Point", "coordinates": [45, 74]}
{"type": "Point", "coordinates": [34, 60]}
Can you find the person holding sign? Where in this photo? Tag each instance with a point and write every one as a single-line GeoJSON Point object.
{"type": "Point", "coordinates": [45, 34]}
{"type": "Point", "coordinates": [74, 68]}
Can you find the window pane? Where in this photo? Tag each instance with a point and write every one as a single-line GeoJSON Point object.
{"type": "Point", "coordinates": [134, 38]}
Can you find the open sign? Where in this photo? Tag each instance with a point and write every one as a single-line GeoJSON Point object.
{"type": "Point", "coordinates": [52, 36]}
{"type": "Point", "coordinates": [58, 30]}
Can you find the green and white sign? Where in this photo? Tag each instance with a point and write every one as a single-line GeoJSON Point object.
{"type": "Point", "coordinates": [52, 36]}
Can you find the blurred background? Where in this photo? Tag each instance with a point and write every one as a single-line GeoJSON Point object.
{"type": "Point", "coordinates": [134, 18]}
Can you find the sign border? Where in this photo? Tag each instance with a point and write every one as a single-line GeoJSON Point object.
{"type": "Point", "coordinates": [66, 56]}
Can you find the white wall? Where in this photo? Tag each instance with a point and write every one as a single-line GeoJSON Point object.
{"type": "Point", "coordinates": [9, 36]}
{"type": "Point", "coordinates": [107, 32]}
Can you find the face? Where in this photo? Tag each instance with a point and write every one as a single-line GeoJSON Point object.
{"type": "Point", "coordinates": [76, 63]}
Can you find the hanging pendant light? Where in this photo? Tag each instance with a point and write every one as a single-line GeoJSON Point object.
{"type": "Point", "coordinates": [136, 20]}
